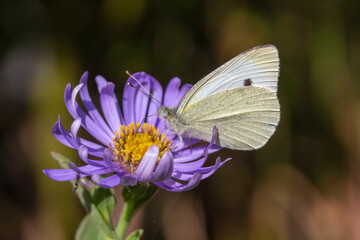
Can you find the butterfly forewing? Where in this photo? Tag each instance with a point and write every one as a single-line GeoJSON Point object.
{"type": "Point", "coordinates": [258, 66]}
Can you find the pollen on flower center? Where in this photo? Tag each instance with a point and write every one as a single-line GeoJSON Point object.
{"type": "Point", "coordinates": [132, 142]}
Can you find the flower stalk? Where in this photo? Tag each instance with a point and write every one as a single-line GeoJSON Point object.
{"type": "Point", "coordinates": [134, 198]}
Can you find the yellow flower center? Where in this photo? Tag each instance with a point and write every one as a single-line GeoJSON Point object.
{"type": "Point", "coordinates": [132, 142]}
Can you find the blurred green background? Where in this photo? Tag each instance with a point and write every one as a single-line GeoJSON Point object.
{"type": "Point", "coordinates": [304, 184]}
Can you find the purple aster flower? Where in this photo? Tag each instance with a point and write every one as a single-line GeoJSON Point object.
{"type": "Point", "coordinates": [129, 150]}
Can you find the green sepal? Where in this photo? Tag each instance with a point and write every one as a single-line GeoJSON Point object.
{"type": "Point", "coordinates": [139, 194]}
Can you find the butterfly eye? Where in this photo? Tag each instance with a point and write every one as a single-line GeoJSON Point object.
{"type": "Point", "coordinates": [163, 112]}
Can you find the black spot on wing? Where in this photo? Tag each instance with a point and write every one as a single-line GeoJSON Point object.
{"type": "Point", "coordinates": [247, 82]}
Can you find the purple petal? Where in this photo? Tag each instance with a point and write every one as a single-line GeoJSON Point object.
{"type": "Point", "coordinates": [61, 174]}
{"type": "Point", "coordinates": [180, 145]}
{"type": "Point", "coordinates": [83, 153]}
{"type": "Point", "coordinates": [172, 185]}
{"type": "Point", "coordinates": [66, 138]}
{"type": "Point", "coordinates": [164, 169]}
{"type": "Point", "coordinates": [190, 166]}
{"type": "Point", "coordinates": [90, 170]}
{"type": "Point", "coordinates": [109, 105]}
{"type": "Point", "coordinates": [136, 104]}
{"type": "Point", "coordinates": [73, 167]}
{"type": "Point", "coordinates": [128, 180]}
{"type": "Point", "coordinates": [215, 168]}
{"type": "Point", "coordinates": [93, 148]}
{"type": "Point", "coordinates": [59, 136]}
{"type": "Point", "coordinates": [86, 122]}
{"type": "Point", "coordinates": [67, 100]}
{"type": "Point", "coordinates": [172, 94]}
{"type": "Point", "coordinates": [100, 82]}
{"type": "Point", "coordinates": [73, 97]}
{"type": "Point", "coordinates": [206, 171]}
{"type": "Point", "coordinates": [70, 174]}
{"type": "Point", "coordinates": [147, 165]}
{"type": "Point", "coordinates": [97, 163]}
{"type": "Point", "coordinates": [209, 148]}
{"type": "Point", "coordinates": [84, 77]}
{"type": "Point", "coordinates": [214, 138]}
{"type": "Point", "coordinates": [157, 93]}
{"type": "Point", "coordinates": [186, 176]}
{"type": "Point", "coordinates": [185, 147]}
{"type": "Point", "coordinates": [75, 127]}
{"type": "Point", "coordinates": [96, 178]}
{"type": "Point", "coordinates": [90, 107]}
{"type": "Point", "coordinates": [192, 153]}
{"type": "Point", "coordinates": [108, 182]}
{"type": "Point", "coordinates": [108, 159]}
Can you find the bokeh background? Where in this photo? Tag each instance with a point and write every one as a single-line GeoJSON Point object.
{"type": "Point", "coordinates": [304, 184]}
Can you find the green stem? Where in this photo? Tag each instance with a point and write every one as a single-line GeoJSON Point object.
{"type": "Point", "coordinates": [134, 198]}
{"type": "Point", "coordinates": [126, 215]}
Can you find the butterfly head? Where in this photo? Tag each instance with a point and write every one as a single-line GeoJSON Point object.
{"type": "Point", "coordinates": [169, 114]}
{"type": "Point", "coordinates": [163, 112]}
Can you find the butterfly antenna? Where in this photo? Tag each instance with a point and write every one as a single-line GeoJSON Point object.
{"type": "Point", "coordinates": [143, 90]}
{"type": "Point", "coordinates": [142, 121]}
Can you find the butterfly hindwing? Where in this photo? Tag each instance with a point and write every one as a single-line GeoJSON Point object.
{"type": "Point", "coordinates": [245, 117]}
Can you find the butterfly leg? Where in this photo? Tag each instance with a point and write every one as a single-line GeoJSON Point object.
{"type": "Point", "coordinates": [181, 142]}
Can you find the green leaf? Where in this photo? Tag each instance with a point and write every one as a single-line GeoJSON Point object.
{"type": "Point", "coordinates": [61, 159]}
{"type": "Point", "coordinates": [135, 235]}
{"type": "Point", "coordinates": [98, 202]}
{"type": "Point", "coordinates": [88, 230]}
{"type": "Point", "coordinates": [105, 202]}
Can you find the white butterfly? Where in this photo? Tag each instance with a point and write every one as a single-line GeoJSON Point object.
{"type": "Point", "coordinates": [239, 98]}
